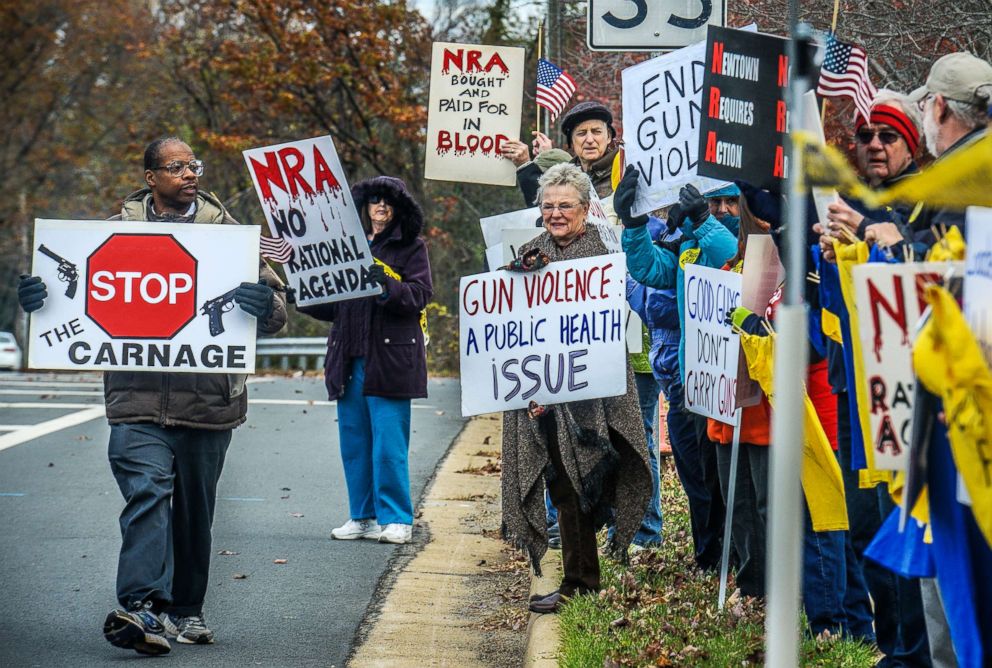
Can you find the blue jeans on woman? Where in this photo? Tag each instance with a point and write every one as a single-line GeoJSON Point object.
{"type": "Point", "coordinates": [375, 442]}
{"type": "Point", "coordinates": [648, 389]}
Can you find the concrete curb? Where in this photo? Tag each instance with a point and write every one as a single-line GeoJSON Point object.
{"type": "Point", "coordinates": [542, 630]}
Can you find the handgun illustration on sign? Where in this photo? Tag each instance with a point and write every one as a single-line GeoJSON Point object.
{"type": "Point", "coordinates": [68, 272]}
{"type": "Point", "coordinates": [215, 308]}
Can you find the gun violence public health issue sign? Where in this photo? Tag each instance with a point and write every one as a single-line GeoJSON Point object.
{"type": "Point", "coordinates": [889, 299]}
{"type": "Point", "coordinates": [307, 205]}
{"type": "Point", "coordinates": [744, 123]}
{"type": "Point", "coordinates": [661, 116]}
{"type": "Point", "coordinates": [548, 336]}
{"type": "Point", "coordinates": [476, 99]}
{"type": "Point", "coordinates": [711, 347]}
{"type": "Point", "coordinates": [143, 296]}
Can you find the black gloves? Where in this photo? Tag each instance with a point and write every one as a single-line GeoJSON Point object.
{"type": "Point", "coordinates": [377, 274]}
{"type": "Point", "coordinates": [694, 205]}
{"type": "Point", "coordinates": [764, 204]}
{"type": "Point", "coordinates": [31, 293]}
{"type": "Point", "coordinates": [675, 218]}
{"type": "Point", "coordinates": [623, 200]}
{"type": "Point", "coordinates": [672, 247]}
{"type": "Point", "coordinates": [255, 299]}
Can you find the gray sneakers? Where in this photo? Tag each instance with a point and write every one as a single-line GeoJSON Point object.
{"type": "Point", "coordinates": [190, 630]}
{"type": "Point", "coordinates": [138, 629]}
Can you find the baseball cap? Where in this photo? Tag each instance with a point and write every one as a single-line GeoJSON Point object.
{"type": "Point", "coordinates": [958, 76]}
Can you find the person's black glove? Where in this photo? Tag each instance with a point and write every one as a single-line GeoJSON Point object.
{"type": "Point", "coordinates": [623, 200]}
{"type": "Point", "coordinates": [377, 274]}
{"type": "Point", "coordinates": [694, 205]}
{"type": "Point", "coordinates": [672, 247]}
{"type": "Point", "coordinates": [675, 218]}
{"type": "Point", "coordinates": [255, 299]}
{"type": "Point", "coordinates": [31, 293]}
{"type": "Point", "coordinates": [764, 204]}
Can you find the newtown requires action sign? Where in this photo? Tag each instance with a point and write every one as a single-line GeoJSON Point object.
{"type": "Point", "coordinates": [308, 205]}
{"type": "Point", "coordinates": [143, 296]}
{"type": "Point", "coordinates": [549, 336]}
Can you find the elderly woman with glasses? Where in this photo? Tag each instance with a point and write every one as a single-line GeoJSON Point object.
{"type": "Point", "coordinates": [376, 363]}
{"type": "Point", "coordinates": [593, 452]}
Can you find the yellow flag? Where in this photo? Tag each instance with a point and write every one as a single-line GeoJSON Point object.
{"type": "Point", "coordinates": [825, 166]}
{"type": "Point", "coordinates": [830, 324]}
{"type": "Point", "coordinates": [616, 172]}
{"type": "Point", "coordinates": [957, 181]}
{"type": "Point", "coordinates": [949, 363]}
{"type": "Point", "coordinates": [848, 257]}
{"type": "Point", "coordinates": [950, 247]}
{"type": "Point", "coordinates": [823, 486]}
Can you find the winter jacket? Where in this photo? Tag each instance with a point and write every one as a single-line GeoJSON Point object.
{"type": "Point", "coordinates": [600, 173]}
{"type": "Point", "coordinates": [202, 400]}
{"type": "Point", "coordinates": [710, 245]}
{"type": "Point", "coordinates": [384, 329]}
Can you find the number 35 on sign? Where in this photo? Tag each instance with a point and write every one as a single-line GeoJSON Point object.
{"type": "Point", "coordinates": [651, 25]}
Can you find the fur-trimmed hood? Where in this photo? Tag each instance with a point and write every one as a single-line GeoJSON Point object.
{"type": "Point", "coordinates": [406, 212]}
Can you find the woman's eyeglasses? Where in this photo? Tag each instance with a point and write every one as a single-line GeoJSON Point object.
{"type": "Point", "coordinates": [887, 137]}
{"type": "Point", "coordinates": [565, 208]}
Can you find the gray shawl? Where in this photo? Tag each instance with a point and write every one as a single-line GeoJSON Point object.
{"type": "Point", "coordinates": [602, 445]}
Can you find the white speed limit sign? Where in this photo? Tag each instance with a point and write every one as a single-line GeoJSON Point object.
{"type": "Point", "coordinates": [651, 25]}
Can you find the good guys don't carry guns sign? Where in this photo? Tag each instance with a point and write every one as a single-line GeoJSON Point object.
{"type": "Point", "coordinates": [143, 296]}
{"type": "Point", "coordinates": [308, 207]}
{"type": "Point", "coordinates": [476, 100]}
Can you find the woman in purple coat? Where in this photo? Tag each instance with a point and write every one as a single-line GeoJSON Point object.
{"type": "Point", "coordinates": [376, 363]}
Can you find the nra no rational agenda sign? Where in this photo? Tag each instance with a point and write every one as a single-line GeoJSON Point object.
{"type": "Point", "coordinates": [141, 286]}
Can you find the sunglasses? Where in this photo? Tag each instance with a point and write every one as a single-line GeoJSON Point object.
{"type": "Point", "coordinates": [887, 137]}
{"type": "Point", "coordinates": [376, 199]}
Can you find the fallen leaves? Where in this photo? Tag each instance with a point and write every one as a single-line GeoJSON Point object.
{"type": "Point", "coordinates": [228, 553]}
{"type": "Point", "coordinates": [280, 561]}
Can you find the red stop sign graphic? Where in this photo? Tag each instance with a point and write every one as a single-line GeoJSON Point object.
{"type": "Point", "coordinates": [141, 286]}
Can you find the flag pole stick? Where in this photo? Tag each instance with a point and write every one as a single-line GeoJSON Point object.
{"type": "Point", "coordinates": [540, 34]}
{"type": "Point", "coordinates": [833, 30]}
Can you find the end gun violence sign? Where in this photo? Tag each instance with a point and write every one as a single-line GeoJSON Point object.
{"type": "Point", "coordinates": [549, 336]}
{"type": "Point", "coordinates": [661, 116]}
{"type": "Point", "coordinates": [889, 299]}
{"type": "Point", "coordinates": [143, 297]}
{"type": "Point", "coordinates": [711, 347]}
{"type": "Point", "coordinates": [307, 204]}
{"type": "Point", "coordinates": [476, 100]}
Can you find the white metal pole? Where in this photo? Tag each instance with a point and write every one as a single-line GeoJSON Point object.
{"type": "Point", "coordinates": [728, 520]}
{"type": "Point", "coordinates": [783, 567]}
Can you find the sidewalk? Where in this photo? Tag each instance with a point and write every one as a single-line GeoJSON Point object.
{"type": "Point", "coordinates": [423, 621]}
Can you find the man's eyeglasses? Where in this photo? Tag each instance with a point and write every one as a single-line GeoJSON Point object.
{"type": "Point", "coordinates": [376, 199]}
{"type": "Point", "coordinates": [565, 209]}
{"type": "Point", "coordinates": [887, 137]}
{"type": "Point", "coordinates": [178, 167]}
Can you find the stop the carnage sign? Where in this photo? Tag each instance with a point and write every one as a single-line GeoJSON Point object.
{"type": "Point", "coordinates": [143, 296]}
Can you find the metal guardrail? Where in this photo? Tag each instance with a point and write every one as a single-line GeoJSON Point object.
{"type": "Point", "coordinates": [291, 353]}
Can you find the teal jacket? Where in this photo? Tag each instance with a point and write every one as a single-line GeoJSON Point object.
{"type": "Point", "coordinates": [656, 267]}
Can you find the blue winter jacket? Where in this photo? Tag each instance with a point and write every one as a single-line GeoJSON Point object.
{"type": "Point", "coordinates": [657, 267]}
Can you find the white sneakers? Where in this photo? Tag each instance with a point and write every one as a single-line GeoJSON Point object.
{"type": "Point", "coordinates": [399, 534]}
{"type": "Point", "coordinates": [354, 529]}
{"type": "Point", "coordinates": [396, 533]}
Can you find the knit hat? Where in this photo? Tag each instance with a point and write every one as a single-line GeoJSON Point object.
{"type": "Point", "coordinates": [958, 76]}
{"type": "Point", "coordinates": [586, 111]}
{"type": "Point", "coordinates": [898, 120]}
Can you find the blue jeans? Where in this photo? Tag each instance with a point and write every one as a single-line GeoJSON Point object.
{"type": "Point", "coordinates": [649, 533]}
{"type": "Point", "coordinates": [375, 444]}
{"type": "Point", "coordinates": [824, 578]}
{"type": "Point", "coordinates": [695, 468]}
{"type": "Point", "coordinates": [648, 389]}
{"type": "Point", "coordinates": [168, 478]}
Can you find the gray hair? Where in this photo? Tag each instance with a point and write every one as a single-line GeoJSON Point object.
{"type": "Point", "coordinates": [974, 115]}
{"type": "Point", "coordinates": [565, 174]}
{"type": "Point", "coordinates": [901, 101]}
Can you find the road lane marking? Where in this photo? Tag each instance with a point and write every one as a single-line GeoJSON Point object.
{"type": "Point", "coordinates": [47, 383]}
{"type": "Point", "coordinates": [49, 426]}
{"type": "Point", "coordinates": [241, 498]}
{"type": "Point", "coordinates": [12, 494]}
{"type": "Point", "coordinates": [13, 427]}
{"type": "Point", "coordinates": [56, 393]}
{"type": "Point", "coordinates": [42, 404]}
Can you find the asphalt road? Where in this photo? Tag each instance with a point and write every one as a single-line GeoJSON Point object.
{"type": "Point", "coordinates": [59, 535]}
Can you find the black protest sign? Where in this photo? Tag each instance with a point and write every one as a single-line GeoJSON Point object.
{"type": "Point", "coordinates": [744, 123]}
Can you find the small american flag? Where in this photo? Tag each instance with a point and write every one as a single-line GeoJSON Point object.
{"type": "Point", "coordinates": [277, 250]}
{"type": "Point", "coordinates": [554, 87]}
{"type": "Point", "coordinates": [845, 74]}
